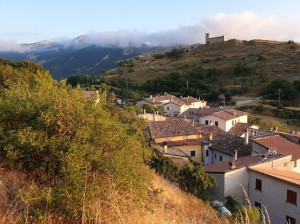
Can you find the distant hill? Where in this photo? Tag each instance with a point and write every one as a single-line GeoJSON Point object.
{"type": "Point", "coordinates": [240, 63]}
{"type": "Point", "coordinates": [75, 57]}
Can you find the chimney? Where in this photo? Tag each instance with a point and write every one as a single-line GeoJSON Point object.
{"type": "Point", "coordinates": [232, 165]}
{"type": "Point", "coordinates": [153, 117]}
{"type": "Point", "coordinates": [247, 136]}
{"type": "Point", "coordinates": [150, 96]}
{"type": "Point", "coordinates": [165, 144]}
{"type": "Point", "coordinates": [210, 136]}
{"type": "Point", "coordinates": [193, 123]}
{"type": "Point", "coordinates": [144, 111]}
{"type": "Point", "coordinates": [276, 129]}
{"type": "Point", "coordinates": [185, 117]}
{"type": "Point", "coordinates": [235, 155]}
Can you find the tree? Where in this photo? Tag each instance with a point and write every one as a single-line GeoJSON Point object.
{"type": "Point", "coordinates": [74, 146]}
{"type": "Point", "coordinates": [149, 108]}
{"type": "Point", "coordinates": [282, 88]}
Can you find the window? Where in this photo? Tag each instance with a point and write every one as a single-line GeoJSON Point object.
{"type": "Point", "coordinates": [168, 108]}
{"type": "Point", "coordinates": [258, 184]}
{"type": "Point", "coordinates": [258, 205]}
{"type": "Point", "coordinates": [206, 122]}
{"type": "Point", "coordinates": [291, 197]}
{"type": "Point", "coordinates": [221, 158]}
{"type": "Point", "coordinates": [217, 123]}
{"type": "Point", "coordinates": [290, 220]}
{"type": "Point", "coordinates": [207, 152]}
{"type": "Point", "coordinates": [193, 153]}
{"type": "Point", "coordinates": [215, 155]}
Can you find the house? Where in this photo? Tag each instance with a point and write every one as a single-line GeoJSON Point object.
{"type": "Point", "coordinates": [274, 144]}
{"type": "Point", "coordinates": [173, 106]}
{"type": "Point", "coordinates": [233, 177]}
{"type": "Point", "coordinates": [152, 117]}
{"type": "Point", "coordinates": [156, 101]}
{"type": "Point", "coordinates": [223, 118]}
{"type": "Point", "coordinates": [277, 191]}
{"type": "Point", "coordinates": [183, 135]}
{"type": "Point", "coordinates": [226, 148]}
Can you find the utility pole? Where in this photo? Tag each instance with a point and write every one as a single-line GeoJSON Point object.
{"type": "Point", "coordinates": [279, 96]}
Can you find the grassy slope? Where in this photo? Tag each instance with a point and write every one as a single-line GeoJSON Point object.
{"type": "Point", "coordinates": [273, 59]}
{"type": "Point", "coordinates": [172, 205]}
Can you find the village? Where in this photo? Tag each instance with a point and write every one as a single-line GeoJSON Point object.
{"type": "Point", "coordinates": [262, 166]}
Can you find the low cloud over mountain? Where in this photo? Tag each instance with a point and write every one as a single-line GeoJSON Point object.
{"type": "Point", "coordinates": [245, 25]}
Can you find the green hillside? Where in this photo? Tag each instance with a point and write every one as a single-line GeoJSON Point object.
{"type": "Point", "coordinates": [251, 65]}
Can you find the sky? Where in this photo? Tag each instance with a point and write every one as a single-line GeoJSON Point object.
{"type": "Point", "coordinates": [155, 22]}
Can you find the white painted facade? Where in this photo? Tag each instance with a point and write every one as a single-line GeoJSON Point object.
{"type": "Point", "coordinates": [213, 156]}
{"type": "Point", "coordinates": [274, 196]}
{"type": "Point", "coordinates": [225, 125]}
{"type": "Point", "coordinates": [172, 109]}
{"type": "Point", "coordinates": [235, 183]}
{"type": "Point", "coordinates": [232, 184]}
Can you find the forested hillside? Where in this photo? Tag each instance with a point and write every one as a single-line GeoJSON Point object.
{"type": "Point", "coordinates": [66, 159]}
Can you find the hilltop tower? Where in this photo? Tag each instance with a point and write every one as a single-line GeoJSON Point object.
{"type": "Point", "coordinates": [207, 35]}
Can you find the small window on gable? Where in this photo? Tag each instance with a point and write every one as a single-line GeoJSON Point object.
{"type": "Point", "coordinates": [206, 122]}
{"type": "Point", "coordinates": [207, 152]}
{"type": "Point", "coordinates": [221, 158]}
{"type": "Point", "coordinates": [193, 153]}
{"type": "Point", "coordinates": [217, 123]}
{"type": "Point", "coordinates": [258, 184]}
{"type": "Point", "coordinates": [291, 197]}
{"type": "Point", "coordinates": [290, 220]}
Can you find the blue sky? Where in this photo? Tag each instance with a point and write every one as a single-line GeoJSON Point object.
{"type": "Point", "coordinates": [155, 21]}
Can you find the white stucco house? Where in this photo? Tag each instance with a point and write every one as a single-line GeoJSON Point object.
{"type": "Point", "coordinates": [173, 106]}
{"type": "Point", "coordinates": [233, 177]}
{"type": "Point", "coordinates": [223, 118]}
{"type": "Point", "coordinates": [276, 193]}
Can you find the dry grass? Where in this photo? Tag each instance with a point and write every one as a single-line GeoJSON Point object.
{"type": "Point", "coordinates": [272, 59]}
{"type": "Point", "coordinates": [166, 204]}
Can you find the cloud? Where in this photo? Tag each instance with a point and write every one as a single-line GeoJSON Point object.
{"type": "Point", "coordinates": [11, 46]}
{"type": "Point", "coordinates": [247, 25]}
{"type": "Point", "coordinates": [244, 25]}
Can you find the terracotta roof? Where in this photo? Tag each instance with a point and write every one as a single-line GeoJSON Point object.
{"type": "Point", "coordinates": [172, 127]}
{"type": "Point", "coordinates": [227, 143]}
{"type": "Point", "coordinates": [288, 176]}
{"type": "Point", "coordinates": [239, 129]}
{"type": "Point", "coordinates": [195, 113]}
{"type": "Point", "coordinates": [229, 114]}
{"type": "Point", "coordinates": [242, 162]}
{"type": "Point", "coordinates": [282, 145]}
{"type": "Point", "coordinates": [173, 152]}
{"type": "Point", "coordinates": [291, 137]}
{"type": "Point", "coordinates": [185, 142]}
{"type": "Point", "coordinates": [179, 161]}
{"type": "Point", "coordinates": [179, 127]}
{"type": "Point", "coordinates": [191, 99]}
{"type": "Point", "coordinates": [179, 102]}
{"type": "Point", "coordinates": [158, 99]}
